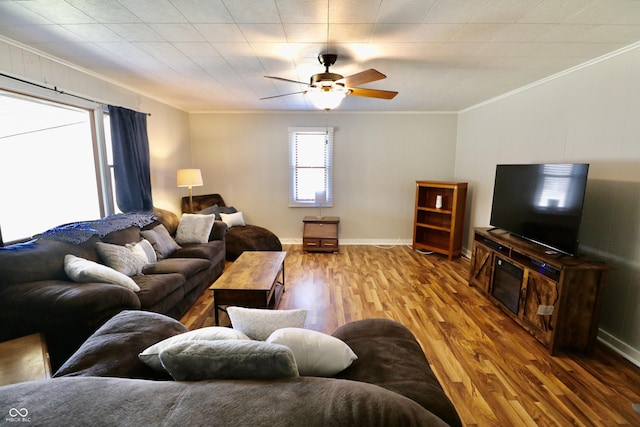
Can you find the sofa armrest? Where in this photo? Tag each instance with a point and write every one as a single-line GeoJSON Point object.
{"type": "Point", "coordinates": [391, 357]}
{"type": "Point", "coordinates": [65, 312]}
{"type": "Point", "coordinates": [59, 300]}
{"type": "Point", "coordinates": [112, 351]}
{"type": "Point", "coordinates": [219, 230]}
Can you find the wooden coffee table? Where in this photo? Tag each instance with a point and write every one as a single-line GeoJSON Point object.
{"type": "Point", "coordinates": [255, 279]}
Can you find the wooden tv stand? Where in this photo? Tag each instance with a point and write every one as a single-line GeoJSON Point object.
{"type": "Point", "coordinates": [558, 297]}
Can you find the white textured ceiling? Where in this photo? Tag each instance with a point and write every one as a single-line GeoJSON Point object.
{"type": "Point", "coordinates": [205, 55]}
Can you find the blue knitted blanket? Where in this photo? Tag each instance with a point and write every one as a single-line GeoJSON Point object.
{"type": "Point", "coordinates": [78, 232]}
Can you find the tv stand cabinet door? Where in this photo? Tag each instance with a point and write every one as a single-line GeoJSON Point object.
{"type": "Point", "coordinates": [539, 308]}
{"type": "Point", "coordinates": [481, 266]}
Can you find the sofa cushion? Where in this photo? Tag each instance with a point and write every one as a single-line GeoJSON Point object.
{"type": "Point", "coordinates": [156, 287]}
{"type": "Point", "coordinates": [194, 228]}
{"type": "Point", "coordinates": [120, 258]}
{"type": "Point", "coordinates": [228, 359]}
{"type": "Point", "coordinates": [150, 355]}
{"type": "Point", "coordinates": [185, 266]}
{"type": "Point", "coordinates": [316, 354]}
{"type": "Point", "coordinates": [212, 251]}
{"type": "Point", "coordinates": [112, 351]}
{"type": "Point", "coordinates": [82, 270]}
{"type": "Point", "coordinates": [162, 242]}
{"type": "Point", "coordinates": [259, 323]}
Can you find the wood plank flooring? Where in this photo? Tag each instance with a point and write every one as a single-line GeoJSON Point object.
{"type": "Point", "coordinates": [494, 372]}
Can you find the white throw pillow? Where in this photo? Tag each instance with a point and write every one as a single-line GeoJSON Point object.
{"type": "Point", "coordinates": [83, 270]}
{"type": "Point", "coordinates": [258, 323]}
{"type": "Point", "coordinates": [144, 251]}
{"type": "Point", "coordinates": [150, 355]}
{"type": "Point", "coordinates": [120, 258]}
{"type": "Point", "coordinates": [161, 240]}
{"type": "Point", "coordinates": [316, 354]}
{"type": "Point", "coordinates": [194, 228]}
{"type": "Point", "coordinates": [232, 219]}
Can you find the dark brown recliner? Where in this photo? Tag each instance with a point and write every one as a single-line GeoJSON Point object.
{"type": "Point", "coordinates": [238, 238]}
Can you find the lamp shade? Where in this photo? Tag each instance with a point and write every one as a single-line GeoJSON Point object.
{"type": "Point", "coordinates": [189, 178]}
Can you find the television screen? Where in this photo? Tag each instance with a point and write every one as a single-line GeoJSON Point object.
{"type": "Point", "coordinates": [541, 202]}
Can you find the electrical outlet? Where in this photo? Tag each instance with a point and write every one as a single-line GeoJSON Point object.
{"type": "Point", "coordinates": [545, 310]}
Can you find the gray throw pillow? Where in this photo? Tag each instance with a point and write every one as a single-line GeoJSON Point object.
{"type": "Point", "coordinates": [228, 359]}
{"type": "Point", "coordinates": [120, 258]}
{"type": "Point", "coordinates": [161, 240]}
{"type": "Point", "coordinates": [217, 210]}
{"type": "Point", "coordinates": [151, 355]}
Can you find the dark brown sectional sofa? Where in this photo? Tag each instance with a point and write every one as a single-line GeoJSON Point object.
{"type": "Point", "coordinates": [36, 295]}
{"type": "Point", "coordinates": [105, 383]}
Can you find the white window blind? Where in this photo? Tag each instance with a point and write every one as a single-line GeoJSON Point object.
{"type": "Point", "coordinates": [310, 166]}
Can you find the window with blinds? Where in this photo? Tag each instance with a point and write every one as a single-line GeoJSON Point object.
{"type": "Point", "coordinates": [311, 167]}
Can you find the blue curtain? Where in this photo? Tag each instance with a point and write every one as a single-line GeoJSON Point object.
{"type": "Point", "coordinates": [131, 159]}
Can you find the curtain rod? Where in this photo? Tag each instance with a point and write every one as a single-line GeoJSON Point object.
{"type": "Point", "coordinates": [55, 89]}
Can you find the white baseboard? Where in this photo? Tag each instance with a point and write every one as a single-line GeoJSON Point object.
{"type": "Point", "coordinates": [347, 242]}
{"type": "Point", "coordinates": [620, 347]}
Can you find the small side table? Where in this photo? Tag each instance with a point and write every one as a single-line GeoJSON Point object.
{"type": "Point", "coordinates": [24, 359]}
{"type": "Point", "coordinates": [320, 234]}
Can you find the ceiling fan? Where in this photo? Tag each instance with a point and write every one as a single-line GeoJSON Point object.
{"type": "Point", "coordinates": [328, 89]}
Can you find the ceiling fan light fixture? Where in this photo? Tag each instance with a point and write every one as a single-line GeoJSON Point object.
{"type": "Point", "coordinates": [327, 97]}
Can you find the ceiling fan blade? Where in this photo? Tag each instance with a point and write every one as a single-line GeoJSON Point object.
{"type": "Point", "coordinates": [284, 94]}
{"type": "Point", "coordinates": [372, 93]}
{"type": "Point", "coordinates": [287, 80]}
{"type": "Point", "coordinates": [363, 77]}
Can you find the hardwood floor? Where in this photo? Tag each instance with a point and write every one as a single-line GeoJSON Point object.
{"type": "Point", "coordinates": [494, 372]}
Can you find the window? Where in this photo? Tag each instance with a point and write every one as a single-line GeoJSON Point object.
{"type": "Point", "coordinates": [311, 167]}
{"type": "Point", "coordinates": [49, 172]}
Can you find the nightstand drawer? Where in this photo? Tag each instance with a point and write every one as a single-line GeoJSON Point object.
{"type": "Point", "coordinates": [310, 243]}
{"type": "Point", "coordinates": [329, 243]}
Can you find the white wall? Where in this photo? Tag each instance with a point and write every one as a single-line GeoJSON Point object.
{"type": "Point", "coordinates": [589, 115]}
{"type": "Point", "coordinates": [168, 127]}
{"type": "Point", "coordinates": [377, 157]}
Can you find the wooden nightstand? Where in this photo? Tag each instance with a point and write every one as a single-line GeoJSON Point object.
{"type": "Point", "coordinates": [24, 359]}
{"type": "Point", "coordinates": [320, 234]}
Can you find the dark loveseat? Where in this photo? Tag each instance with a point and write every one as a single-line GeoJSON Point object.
{"type": "Point", "coordinates": [37, 295]}
{"type": "Point", "coordinates": [104, 383]}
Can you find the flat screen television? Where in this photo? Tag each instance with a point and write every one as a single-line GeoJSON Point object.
{"type": "Point", "coordinates": [541, 202]}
